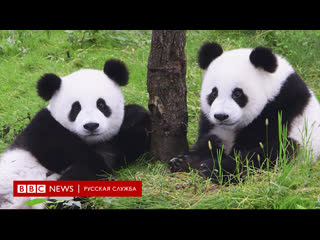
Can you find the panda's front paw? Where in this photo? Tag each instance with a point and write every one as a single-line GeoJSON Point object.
{"type": "Point", "coordinates": [178, 164]}
{"type": "Point", "coordinates": [205, 171]}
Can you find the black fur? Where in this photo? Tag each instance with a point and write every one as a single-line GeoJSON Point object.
{"type": "Point", "coordinates": [75, 110]}
{"type": "Point", "coordinates": [63, 152]}
{"type": "Point", "coordinates": [207, 53]}
{"type": "Point", "coordinates": [240, 97]}
{"type": "Point", "coordinates": [103, 107]}
{"type": "Point", "coordinates": [47, 85]}
{"type": "Point", "coordinates": [212, 96]}
{"type": "Point", "coordinates": [117, 71]}
{"type": "Point", "coordinates": [291, 101]}
{"type": "Point", "coordinates": [204, 125]}
{"type": "Point", "coordinates": [135, 132]}
{"type": "Point", "coordinates": [264, 58]}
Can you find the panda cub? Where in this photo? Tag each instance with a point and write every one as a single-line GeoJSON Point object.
{"type": "Point", "coordinates": [242, 92]}
{"type": "Point", "coordinates": [84, 132]}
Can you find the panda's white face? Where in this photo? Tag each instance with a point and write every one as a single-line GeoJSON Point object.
{"type": "Point", "coordinates": [234, 91]}
{"type": "Point", "coordinates": [89, 104]}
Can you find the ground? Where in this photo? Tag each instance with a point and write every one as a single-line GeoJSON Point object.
{"type": "Point", "coordinates": [26, 55]}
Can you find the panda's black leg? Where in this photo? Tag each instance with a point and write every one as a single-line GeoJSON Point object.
{"type": "Point", "coordinates": [185, 162]}
{"type": "Point", "coordinates": [228, 168]}
{"type": "Point", "coordinates": [93, 168]}
{"type": "Point", "coordinates": [232, 167]}
{"type": "Point", "coordinates": [134, 134]}
{"type": "Point", "coordinates": [264, 154]}
{"type": "Point", "coordinates": [200, 152]}
{"type": "Point", "coordinates": [192, 160]}
{"type": "Point", "coordinates": [235, 166]}
{"type": "Point", "coordinates": [219, 169]}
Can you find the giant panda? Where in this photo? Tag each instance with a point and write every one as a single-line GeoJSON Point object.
{"type": "Point", "coordinates": [84, 133]}
{"type": "Point", "coordinates": [243, 91]}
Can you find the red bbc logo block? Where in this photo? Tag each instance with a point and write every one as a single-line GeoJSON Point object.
{"type": "Point", "coordinates": [77, 188]}
{"type": "Point", "coordinates": [31, 188]}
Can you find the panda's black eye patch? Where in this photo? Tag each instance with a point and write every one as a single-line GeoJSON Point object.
{"type": "Point", "coordinates": [103, 107]}
{"type": "Point", "coordinates": [75, 109]}
{"type": "Point", "coordinates": [212, 96]}
{"type": "Point", "coordinates": [239, 97]}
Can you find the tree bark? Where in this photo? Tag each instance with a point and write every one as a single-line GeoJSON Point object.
{"type": "Point", "coordinates": [166, 82]}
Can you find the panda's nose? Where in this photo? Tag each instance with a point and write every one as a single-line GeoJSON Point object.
{"type": "Point", "coordinates": [221, 116]}
{"type": "Point", "coordinates": [91, 126]}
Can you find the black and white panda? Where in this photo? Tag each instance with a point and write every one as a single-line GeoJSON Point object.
{"type": "Point", "coordinates": [242, 92]}
{"type": "Point", "coordinates": [84, 132]}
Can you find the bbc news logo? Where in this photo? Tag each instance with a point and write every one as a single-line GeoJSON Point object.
{"type": "Point", "coordinates": [31, 188]}
{"type": "Point", "coordinates": [77, 188]}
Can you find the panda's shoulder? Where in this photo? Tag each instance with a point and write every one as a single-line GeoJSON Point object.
{"type": "Point", "coordinates": [42, 127]}
{"type": "Point", "coordinates": [43, 120]}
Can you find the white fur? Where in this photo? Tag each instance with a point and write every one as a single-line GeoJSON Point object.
{"type": "Point", "coordinates": [227, 136]}
{"type": "Point", "coordinates": [306, 127]}
{"type": "Point", "coordinates": [87, 86]}
{"type": "Point", "coordinates": [233, 69]}
{"type": "Point", "coordinates": [18, 164]}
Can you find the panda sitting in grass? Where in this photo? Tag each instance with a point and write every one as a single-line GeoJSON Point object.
{"type": "Point", "coordinates": [243, 92]}
{"type": "Point", "coordinates": [84, 133]}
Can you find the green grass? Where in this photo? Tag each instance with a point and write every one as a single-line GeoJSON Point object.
{"type": "Point", "coordinates": [26, 55]}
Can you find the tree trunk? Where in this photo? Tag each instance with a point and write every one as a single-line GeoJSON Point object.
{"type": "Point", "coordinates": [166, 82]}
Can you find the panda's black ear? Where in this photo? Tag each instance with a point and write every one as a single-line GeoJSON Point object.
{"type": "Point", "coordinates": [207, 53]}
{"type": "Point", "coordinates": [264, 58]}
{"type": "Point", "coordinates": [47, 85]}
{"type": "Point", "coordinates": [117, 71]}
